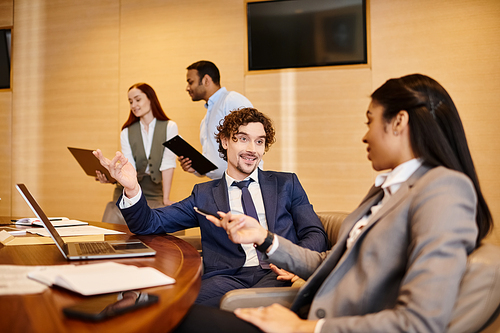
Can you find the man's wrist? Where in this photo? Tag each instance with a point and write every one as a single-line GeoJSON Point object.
{"type": "Point", "coordinates": [268, 241]}
{"type": "Point", "coordinates": [130, 193]}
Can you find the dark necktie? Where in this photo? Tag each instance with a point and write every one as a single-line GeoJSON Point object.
{"type": "Point", "coordinates": [249, 209]}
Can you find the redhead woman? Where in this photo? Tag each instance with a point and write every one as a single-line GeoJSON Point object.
{"type": "Point", "coordinates": [142, 136]}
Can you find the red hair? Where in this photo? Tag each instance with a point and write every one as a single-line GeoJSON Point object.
{"type": "Point", "coordinates": [158, 112]}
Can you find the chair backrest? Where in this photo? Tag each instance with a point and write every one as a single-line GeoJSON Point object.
{"type": "Point", "coordinates": [331, 222]}
{"type": "Point", "coordinates": [478, 301]}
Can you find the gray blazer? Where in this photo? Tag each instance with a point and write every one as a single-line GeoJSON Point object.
{"type": "Point", "coordinates": [403, 272]}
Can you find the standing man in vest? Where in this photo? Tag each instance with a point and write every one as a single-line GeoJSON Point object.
{"type": "Point", "coordinates": [203, 80]}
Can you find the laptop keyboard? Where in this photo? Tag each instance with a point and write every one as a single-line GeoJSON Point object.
{"type": "Point", "coordinates": [95, 248]}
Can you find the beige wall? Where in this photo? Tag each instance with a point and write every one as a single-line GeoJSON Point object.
{"type": "Point", "coordinates": [6, 13]}
{"type": "Point", "coordinates": [74, 60]}
{"type": "Point", "coordinates": [6, 20]}
{"type": "Point", "coordinates": [5, 152]}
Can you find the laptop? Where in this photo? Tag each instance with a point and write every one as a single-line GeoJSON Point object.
{"type": "Point", "coordinates": [87, 250]}
{"type": "Point", "coordinates": [89, 162]}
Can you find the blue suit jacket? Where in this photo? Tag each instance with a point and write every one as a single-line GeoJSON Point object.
{"type": "Point", "coordinates": [288, 213]}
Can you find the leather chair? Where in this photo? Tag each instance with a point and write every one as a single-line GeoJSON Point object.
{"type": "Point", "coordinates": [476, 309]}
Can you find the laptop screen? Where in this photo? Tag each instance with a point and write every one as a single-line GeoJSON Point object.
{"type": "Point", "coordinates": [41, 215]}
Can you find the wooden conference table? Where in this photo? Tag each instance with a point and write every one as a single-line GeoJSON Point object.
{"type": "Point", "coordinates": [43, 312]}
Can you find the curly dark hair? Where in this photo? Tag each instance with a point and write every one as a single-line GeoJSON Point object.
{"type": "Point", "coordinates": [229, 126]}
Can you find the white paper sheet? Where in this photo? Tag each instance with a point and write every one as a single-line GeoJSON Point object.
{"type": "Point", "coordinates": [14, 280]}
{"type": "Point", "coordinates": [101, 278]}
{"type": "Point", "coordinates": [76, 231]}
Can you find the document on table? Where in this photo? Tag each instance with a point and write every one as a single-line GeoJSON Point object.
{"type": "Point", "coordinates": [76, 231]}
{"type": "Point", "coordinates": [101, 278]}
{"type": "Point", "coordinates": [14, 231]}
{"type": "Point", "coordinates": [14, 280]}
{"type": "Point", "coordinates": [10, 240]}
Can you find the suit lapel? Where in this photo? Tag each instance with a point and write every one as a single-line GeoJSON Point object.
{"type": "Point", "coordinates": [397, 198]}
{"type": "Point", "coordinates": [221, 196]}
{"type": "Point", "coordinates": [336, 257]}
{"type": "Point", "coordinates": [269, 189]}
{"type": "Point", "coordinates": [373, 197]}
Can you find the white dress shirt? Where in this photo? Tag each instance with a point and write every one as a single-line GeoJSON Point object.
{"type": "Point", "coordinates": [390, 183]}
{"type": "Point", "coordinates": [236, 207]}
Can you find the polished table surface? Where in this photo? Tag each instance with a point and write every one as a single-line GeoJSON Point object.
{"type": "Point", "coordinates": [43, 312]}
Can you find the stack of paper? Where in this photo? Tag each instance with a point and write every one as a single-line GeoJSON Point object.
{"type": "Point", "coordinates": [102, 278]}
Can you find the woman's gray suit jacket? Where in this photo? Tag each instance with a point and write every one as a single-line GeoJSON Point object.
{"type": "Point", "coordinates": [403, 272]}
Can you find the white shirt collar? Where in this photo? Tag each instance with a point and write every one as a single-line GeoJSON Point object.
{"type": "Point", "coordinates": [254, 175]}
{"type": "Point", "coordinates": [211, 101]}
{"type": "Point", "coordinates": [150, 125]}
{"type": "Point", "coordinates": [398, 175]}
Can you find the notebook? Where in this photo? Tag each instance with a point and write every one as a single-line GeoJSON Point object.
{"type": "Point", "coordinates": [89, 162]}
{"type": "Point", "coordinates": [181, 148]}
{"type": "Point", "coordinates": [87, 250]}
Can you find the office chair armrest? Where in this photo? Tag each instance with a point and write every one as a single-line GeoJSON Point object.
{"type": "Point", "coordinates": [255, 297]}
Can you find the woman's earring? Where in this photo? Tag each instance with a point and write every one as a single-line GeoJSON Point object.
{"type": "Point", "coordinates": [396, 133]}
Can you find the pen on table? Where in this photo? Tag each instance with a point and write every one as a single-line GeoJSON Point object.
{"type": "Point", "coordinates": [37, 220]}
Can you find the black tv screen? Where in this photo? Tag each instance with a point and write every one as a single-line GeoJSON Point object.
{"type": "Point", "coordinates": [306, 33]}
{"type": "Point", "coordinates": [4, 58]}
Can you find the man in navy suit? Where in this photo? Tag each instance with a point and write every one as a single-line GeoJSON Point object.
{"type": "Point", "coordinates": [281, 205]}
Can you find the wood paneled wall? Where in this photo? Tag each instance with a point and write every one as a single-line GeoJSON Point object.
{"type": "Point", "coordinates": [6, 22]}
{"type": "Point", "coordinates": [6, 152]}
{"type": "Point", "coordinates": [6, 13]}
{"type": "Point", "coordinates": [74, 61]}
{"type": "Point", "coordinates": [65, 93]}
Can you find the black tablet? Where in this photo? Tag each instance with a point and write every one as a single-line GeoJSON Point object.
{"type": "Point", "coordinates": [181, 148]}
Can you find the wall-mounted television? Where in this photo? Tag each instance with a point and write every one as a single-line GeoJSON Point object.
{"type": "Point", "coordinates": [306, 33]}
{"type": "Point", "coordinates": [5, 40]}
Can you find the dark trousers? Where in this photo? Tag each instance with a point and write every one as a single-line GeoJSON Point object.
{"type": "Point", "coordinates": [213, 288]}
{"type": "Point", "coordinates": [205, 319]}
